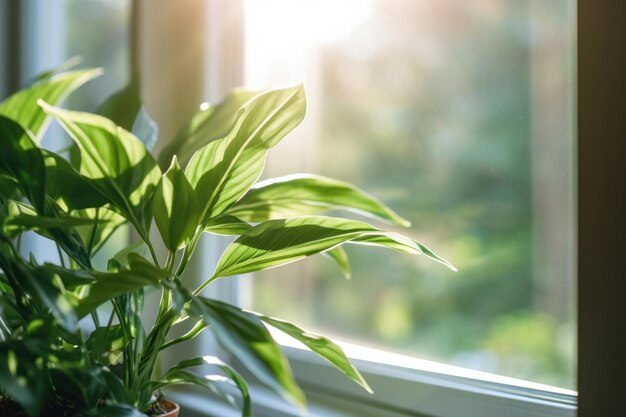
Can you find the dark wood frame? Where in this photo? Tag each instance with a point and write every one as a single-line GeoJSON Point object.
{"type": "Point", "coordinates": [602, 207]}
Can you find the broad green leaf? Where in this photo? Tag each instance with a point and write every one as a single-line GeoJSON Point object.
{"type": "Point", "coordinates": [118, 164]}
{"type": "Point", "coordinates": [278, 242]}
{"type": "Point", "coordinates": [244, 335]}
{"type": "Point", "coordinates": [193, 332]}
{"type": "Point", "coordinates": [67, 238]}
{"type": "Point", "coordinates": [71, 278]}
{"type": "Point", "coordinates": [39, 286]}
{"type": "Point", "coordinates": [321, 345]}
{"type": "Point", "coordinates": [124, 255]}
{"type": "Point", "coordinates": [175, 209]}
{"type": "Point", "coordinates": [206, 125]}
{"type": "Point", "coordinates": [72, 62]}
{"type": "Point", "coordinates": [108, 285]}
{"type": "Point", "coordinates": [68, 186]}
{"type": "Point", "coordinates": [79, 383]}
{"type": "Point", "coordinates": [223, 170]}
{"type": "Point", "coordinates": [21, 159]}
{"type": "Point", "coordinates": [211, 382]}
{"type": "Point", "coordinates": [22, 217]}
{"type": "Point", "coordinates": [173, 376]}
{"type": "Point", "coordinates": [23, 108]}
{"type": "Point", "coordinates": [303, 194]}
{"type": "Point", "coordinates": [21, 378]}
{"type": "Point", "coordinates": [374, 240]}
{"type": "Point", "coordinates": [340, 257]}
{"type": "Point", "coordinates": [105, 344]}
{"type": "Point", "coordinates": [8, 187]}
{"type": "Point", "coordinates": [106, 223]}
{"type": "Point", "coordinates": [226, 225]}
{"type": "Point", "coordinates": [126, 110]}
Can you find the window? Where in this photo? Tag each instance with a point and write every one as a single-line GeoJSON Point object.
{"type": "Point", "coordinates": [460, 116]}
{"type": "Point", "coordinates": [477, 101]}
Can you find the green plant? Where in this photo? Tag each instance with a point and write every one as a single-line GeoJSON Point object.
{"type": "Point", "coordinates": [204, 182]}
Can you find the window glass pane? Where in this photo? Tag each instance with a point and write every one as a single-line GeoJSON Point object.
{"type": "Point", "coordinates": [459, 116]}
{"type": "Point", "coordinates": [97, 33]}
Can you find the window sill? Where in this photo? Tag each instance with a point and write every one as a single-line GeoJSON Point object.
{"type": "Point", "coordinates": [403, 387]}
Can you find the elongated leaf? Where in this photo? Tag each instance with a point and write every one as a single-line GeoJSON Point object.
{"type": "Point", "coordinates": [375, 240]}
{"type": "Point", "coordinates": [22, 218]}
{"type": "Point", "coordinates": [67, 238]}
{"type": "Point", "coordinates": [124, 255]}
{"type": "Point", "coordinates": [175, 210]}
{"type": "Point", "coordinates": [118, 163]}
{"type": "Point", "coordinates": [214, 383]}
{"type": "Point", "coordinates": [226, 225]}
{"type": "Point", "coordinates": [71, 278]}
{"type": "Point", "coordinates": [69, 64]}
{"type": "Point", "coordinates": [8, 187]}
{"type": "Point", "coordinates": [68, 186]}
{"type": "Point", "coordinates": [278, 242]}
{"type": "Point", "coordinates": [222, 171]}
{"type": "Point", "coordinates": [106, 223]}
{"type": "Point", "coordinates": [303, 194]}
{"type": "Point", "coordinates": [23, 108]}
{"type": "Point", "coordinates": [321, 345]}
{"type": "Point", "coordinates": [38, 285]}
{"type": "Point", "coordinates": [22, 160]}
{"type": "Point", "coordinates": [109, 285]}
{"type": "Point", "coordinates": [244, 335]}
{"type": "Point", "coordinates": [105, 344]}
{"type": "Point", "coordinates": [340, 257]}
{"type": "Point", "coordinates": [173, 375]}
{"type": "Point", "coordinates": [206, 125]}
{"type": "Point", "coordinates": [21, 378]}
{"type": "Point", "coordinates": [126, 110]}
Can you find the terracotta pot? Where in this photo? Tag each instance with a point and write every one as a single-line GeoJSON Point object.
{"type": "Point", "coordinates": [172, 409]}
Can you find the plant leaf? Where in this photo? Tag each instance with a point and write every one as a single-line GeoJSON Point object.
{"type": "Point", "coordinates": [8, 186]}
{"type": "Point", "coordinates": [223, 170]}
{"type": "Point", "coordinates": [21, 159]}
{"type": "Point", "coordinates": [206, 125]}
{"type": "Point", "coordinates": [22, 218]}
{"type": "Point", "coordinates": [38, 283]}
{"type": "Point", "coordinates": [111, 284]}
{"type": "Point", "coordinates": [173, 375]}
{"type": "Point", "coordinates": [175, 209]}
{"type": "Point", "coordinates": [126, 110]}
{"type": "Point", "coordinates": [21, 378]}
{"type": "Point", "coordinates": [23, 108]}
{"type": "Point", "coordinates": [67, 65]}
{"type": "Point", "coordinates": [106, 223]}
{"type": "Point", "coordinates": [118, 164]}
{"type": "Point", "coordinates": [303, 194]}
{"type": "Point", "coordinates": [65, 184]}
{"type": "Point", "coordinates": [340, 257]}
{"type": "Point", "coordinates": [321, 345]}
{"type": "Point", "coordinates": [105, 344]}
{"type": "Point", "coordinates": [244, 335]}
{"type": "Point", "coordinates": [226, 225]}
{"type": "Point", "coordinates": [278, 242]}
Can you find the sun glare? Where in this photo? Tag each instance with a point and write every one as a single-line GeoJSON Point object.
{"type": "Point", "coordinates": [276, 29]}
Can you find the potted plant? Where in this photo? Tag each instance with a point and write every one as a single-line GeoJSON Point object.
{"type": "Point", "coordinates": [204, 181]}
